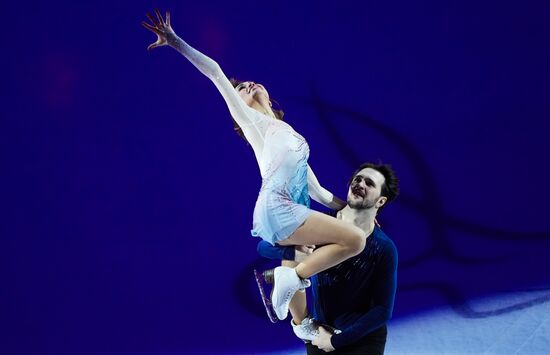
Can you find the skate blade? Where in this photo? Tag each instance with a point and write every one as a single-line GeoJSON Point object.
{"type": "Point", "coordinates": [266, 300]}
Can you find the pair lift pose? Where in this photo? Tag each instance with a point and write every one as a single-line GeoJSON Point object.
{"type": "Point", "coordinates": [281, 215]}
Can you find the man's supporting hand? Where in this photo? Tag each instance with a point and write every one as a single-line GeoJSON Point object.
{"type": "Point", "coordinates": [322, 341]}
{"type": "Point", "coordinates": [302, 252]}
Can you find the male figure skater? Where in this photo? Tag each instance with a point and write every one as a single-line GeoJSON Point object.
{"type": "Point", "coordinates": [356, 296]}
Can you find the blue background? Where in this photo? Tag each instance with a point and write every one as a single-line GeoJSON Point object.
{"type": "Point", "coordinates": [127, 198]}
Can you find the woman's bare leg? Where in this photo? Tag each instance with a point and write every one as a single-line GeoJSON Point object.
{"type": "Point", "coordinates": [340, 240]}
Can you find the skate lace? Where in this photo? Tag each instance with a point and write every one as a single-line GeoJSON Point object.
{"type": "Point", "coordinates": [288, 295]}
{"type": "Point", "coordinates": [292, 291]}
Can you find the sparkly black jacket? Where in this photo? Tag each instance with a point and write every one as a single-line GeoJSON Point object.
{"type": "Point", "coordinates": [355, 296]}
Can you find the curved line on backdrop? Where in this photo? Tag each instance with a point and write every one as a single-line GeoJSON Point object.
{"type": "Point", "coordinates": [430, 207]}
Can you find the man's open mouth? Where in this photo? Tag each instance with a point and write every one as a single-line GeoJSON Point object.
{"type": "Point", "coordinates": [358, 192]}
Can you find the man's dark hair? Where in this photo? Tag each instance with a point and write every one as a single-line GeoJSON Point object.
{"type": "Point", "coordinates": [278, 113]}
{"type": "Point", "coordinates": [390, 188]}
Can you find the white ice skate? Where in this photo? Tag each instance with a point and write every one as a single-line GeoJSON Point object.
{"type": "Point", "coordinates": [266, 277]}
{"type": "Point", "coordinates": [307, 330]}
{"type": "Point", "coordinates": [285, 284]}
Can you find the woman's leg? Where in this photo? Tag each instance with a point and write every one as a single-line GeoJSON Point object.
{"type": "Point", "coordinates": [340, 241]}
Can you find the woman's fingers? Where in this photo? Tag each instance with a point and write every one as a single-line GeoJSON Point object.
{"type": "Point", "coordinates": [152, 19]}
{"type": "Point", "coordinates": [159, 27]}
{"type": "Point", "coordinates": [151, 28]}
{"type": "Point", "coordinates": [159, 16]}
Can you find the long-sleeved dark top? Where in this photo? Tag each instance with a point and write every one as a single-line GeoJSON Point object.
{"type": "Point", "coordinates": [355, 296]}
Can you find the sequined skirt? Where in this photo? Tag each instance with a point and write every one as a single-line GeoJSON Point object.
{"type": "Point", "coordinates": [281, 208]}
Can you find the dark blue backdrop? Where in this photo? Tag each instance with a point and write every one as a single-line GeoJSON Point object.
{"type": "Point", "coordinates": [127, 199]}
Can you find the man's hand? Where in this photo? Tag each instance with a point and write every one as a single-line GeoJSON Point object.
{"type": "Point", "coordinates": [322, 341]}
{"type": "Point", "coordinates": [161, 28]}
{"type": "Point", "coordinates": [301, 252]}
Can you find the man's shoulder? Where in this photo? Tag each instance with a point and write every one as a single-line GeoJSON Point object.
{"type": "Point", "coordinates": [384, 240]}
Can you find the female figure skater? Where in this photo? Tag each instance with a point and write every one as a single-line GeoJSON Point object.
{"type": "Point", "coordinates": [280, 214]}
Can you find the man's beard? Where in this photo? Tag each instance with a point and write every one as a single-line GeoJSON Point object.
{"type": "Point", "coordinates": [361, 205]}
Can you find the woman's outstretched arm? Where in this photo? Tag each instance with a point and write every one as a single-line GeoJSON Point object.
{"type": "Point", "coordinates": [167, 37]}
{"type": "Point", "coordinates": [244, 115]}
{"type": "Point", "coordinates": [320, 194]}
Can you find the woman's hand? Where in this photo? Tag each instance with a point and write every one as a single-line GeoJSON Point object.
{"type": "Point", "coordinates": [336, 204]}
{"type": "Point", "coordinates": [162, 29]}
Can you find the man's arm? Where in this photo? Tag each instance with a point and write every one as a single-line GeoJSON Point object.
{"type": "Point", "coordinates": [275, 251]}
{"type": "Point", "coordinates": [384, 295]}
{"type": "Point", "coordinates": [293, 252]}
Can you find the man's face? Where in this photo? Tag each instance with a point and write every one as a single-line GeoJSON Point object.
{"type": "Point", "coordinates": [365, 188]}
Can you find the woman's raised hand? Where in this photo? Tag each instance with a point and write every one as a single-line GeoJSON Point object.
{"type": "Point", "coordinates": [161, 28]}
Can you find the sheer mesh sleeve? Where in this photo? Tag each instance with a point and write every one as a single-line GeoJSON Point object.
{"type": "Point", "coordinates": [316, 191]}
{"type": "Point", "coordinates": [253, 123]}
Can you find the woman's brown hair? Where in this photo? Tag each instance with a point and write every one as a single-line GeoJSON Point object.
{"type": "Point", "coordinates": [279, 114]}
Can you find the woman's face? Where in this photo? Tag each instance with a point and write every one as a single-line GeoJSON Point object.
{"type": "Point", "coordinates": [250, 92]}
